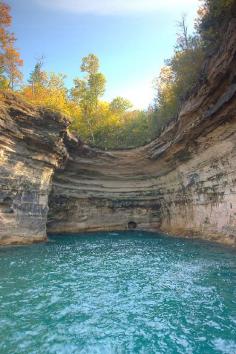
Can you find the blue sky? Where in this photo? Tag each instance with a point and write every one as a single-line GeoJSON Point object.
{"type": "Point", "coordinates": [131, 38]}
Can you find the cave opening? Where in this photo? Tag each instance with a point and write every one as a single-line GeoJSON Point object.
{"type": "Point", "coordinates": [132, 225]}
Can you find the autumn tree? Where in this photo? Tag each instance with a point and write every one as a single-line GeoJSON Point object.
{"type": "Point", "coordinates": [3, 80]}
{"type": "Point", "coordinates": [10, 60]}
{"type": "Point", "coordinates": [5, 22]}
{"type": "Point", "coordinates": [48, 89]}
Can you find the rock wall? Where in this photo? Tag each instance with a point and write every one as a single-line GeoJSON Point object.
{"type": "Point", "coordinates": [183, 183]}
{"type": "Point", "coordinates": [31, 147]}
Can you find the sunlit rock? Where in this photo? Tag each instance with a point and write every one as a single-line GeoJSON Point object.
{"type": "Point", "coordinates": [183, 183]}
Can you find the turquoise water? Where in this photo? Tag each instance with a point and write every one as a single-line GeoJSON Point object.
{"type": "Point", "coordinates": [127, 292]}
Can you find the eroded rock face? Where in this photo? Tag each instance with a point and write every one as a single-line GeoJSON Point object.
{"type": "Point", "coordinates": [183, 183]}
{"type": "Point", "coordinates": [31, 147]}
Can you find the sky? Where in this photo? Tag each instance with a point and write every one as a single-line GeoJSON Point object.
{"type": "Point", "coordinates": [132, 38]}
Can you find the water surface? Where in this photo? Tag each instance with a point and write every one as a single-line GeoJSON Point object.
{"type": "Point", "coordinates": [126, 292]}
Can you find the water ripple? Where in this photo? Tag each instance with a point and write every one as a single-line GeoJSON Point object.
{"type": "Point", "coordinates": [118, 293]}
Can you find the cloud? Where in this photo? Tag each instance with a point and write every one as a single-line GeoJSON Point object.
{"type": "Point", "coordinates": [106, 7]}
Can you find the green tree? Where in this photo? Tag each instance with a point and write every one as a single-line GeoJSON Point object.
{"type": "Point", "coordinates": [87, 91]}
{"type": "Point", "coordinates": [56, 81]}
{"type": "Point", "coordinates": [38, 77]}
{"type": "Point", "coordinates": [178, 77]}
{"type": "Point", "coordinates": [120, 104]}
{"type": "Point", "coordinates": [214, 16]}
{"type": "Point", "coordinates": [90, 64]}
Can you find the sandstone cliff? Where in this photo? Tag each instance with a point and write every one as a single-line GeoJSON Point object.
{"type": "Point", "coordinates": [183, 183]}
{"type": "Point", "coordinates": [31, 147]}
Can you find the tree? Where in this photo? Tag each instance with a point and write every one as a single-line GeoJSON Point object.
{"type": "Point", "coordinates": [90, 64]}
{"type": "Point", "coordinates": [213, 19]}
{"type": "Point", "coordinates": [10, 60]}
{"type": "Point", "coordinates": [5, 21]}
{"type": "Point", "coordinates": [3, 80]}
{"type": "Point", "coordinates": [38, 77]}
{"type": "Point", "coordinates": [178, 77]}
{"type": "Point", "coordinates": [120, 104]}
{"type": "Point", "coordinates": [11, 63]}
{"type": "Point", "coordinates": [182, 35]}
{"type": "Point", "coordinates": [87, 91]}
{"type": "Point", "coordinates": [49, 90]}
{"type": "Point", "coordinates": [56, 81]}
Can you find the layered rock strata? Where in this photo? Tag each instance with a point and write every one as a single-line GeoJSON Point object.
{"type": "Point", "coordinates": [31, 147]}
{"type": "Point", "coordinates": [183, 183]}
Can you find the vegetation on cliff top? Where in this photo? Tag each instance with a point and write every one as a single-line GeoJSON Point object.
{"type": "Point", "coordinates": [115, 124]}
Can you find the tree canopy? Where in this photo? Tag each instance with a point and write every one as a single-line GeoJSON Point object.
{"type": "Point", "coordinates": [116, 124]}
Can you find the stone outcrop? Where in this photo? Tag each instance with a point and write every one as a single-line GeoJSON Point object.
{"type": "Point", "coordinates": [183, 183]}
{"type": "Point", "coordinates": [31, 147]}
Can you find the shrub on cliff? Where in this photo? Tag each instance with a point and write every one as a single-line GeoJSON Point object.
{"type": "Point", "coordinates": [181, 73]}
{"type": "Point", "coordinates": [177, 78]}
{"type": "Point", "coordinates": [214, 16]}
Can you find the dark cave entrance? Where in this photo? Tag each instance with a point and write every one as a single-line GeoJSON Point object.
{"type": "Point", "coordinates": [132, 225]}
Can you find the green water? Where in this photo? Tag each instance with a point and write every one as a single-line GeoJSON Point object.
{"type": "Point", "coordinates": [121, 292]}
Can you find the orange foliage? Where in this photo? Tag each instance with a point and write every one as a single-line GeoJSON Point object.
{"type": "Point", "coordinates": [10, 60]}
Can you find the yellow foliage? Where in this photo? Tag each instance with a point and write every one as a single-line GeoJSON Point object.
{"type": "Point", "coordinates": [103, 126]}
{"type": "Point", "coordinates": [52, 98]}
